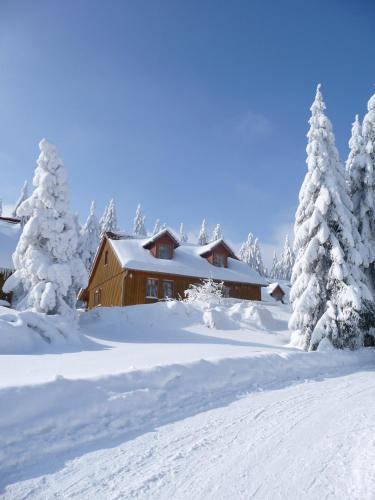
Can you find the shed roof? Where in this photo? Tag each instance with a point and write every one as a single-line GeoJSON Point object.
{"type": "Point", "coordinates": [187, 261]}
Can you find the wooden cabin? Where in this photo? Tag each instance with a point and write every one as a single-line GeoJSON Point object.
{"type": "Point", "coordinates": [128, 271]}
{"type": "Point", "coordinates": [276, 291]}
{"type": "Point", "coordinates": [10, 230]}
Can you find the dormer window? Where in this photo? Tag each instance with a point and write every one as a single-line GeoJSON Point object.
{"type": "Point", "coordinates": [164, 251]}
{"type": "Point", "coordinates": [162, 245]}
{"type": "Point", "coordinates": [219, 260]}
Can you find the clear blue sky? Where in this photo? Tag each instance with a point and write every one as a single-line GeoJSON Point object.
{"type": "Point", "coordinates": [193, 108]}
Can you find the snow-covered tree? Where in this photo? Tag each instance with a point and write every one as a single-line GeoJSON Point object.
{"type": "Point", "coordinates": [139, 228]}
{"type": "Point", "coordinates": [258, 264]}
{"type": "Point", "coordinates": [108, 222]}
{"type": "Point", "coordinates": [330, 299]}
{"type": "Point", "coordinates": [285, 266]}
{"type": "Point", "coordinates": [48, 268]}
{"type": "Point", "coordinates": [157, 227]}
{"type": "Point", "coordinates": [21, 199]}
{"type": "Point", "coordinates": [202, 238]}
{"type": "Point", "coordinates": [246, 250]}
{"type": "Point", "coordinates": [251, 254]}
{"type": "Point", "coordinates": [183, 235]}
{"type": "Point", "coordinates": [89, 240]}
{"type": "Point", "coordinates": [275, 269]}
{"type": "Point", "coordinates": [360, 180]}
{"type": "Point", "coordinates": [216, 233]}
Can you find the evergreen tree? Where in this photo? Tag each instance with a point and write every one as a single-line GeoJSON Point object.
{"type": "Point", "coordinates": [89, 240]}
{"type": "Point", "coordinates": [329, 296]}
{"type": "Point", "coordinates": [275, 269]}
{"type": "Point", "coordinates": [139, 228]}
{"type": "Point", "coordinates": [23, 196]}
{"type": "Point", "coordinates": [202, 238]}
{"type": "Point", "coordinates": [217, 233]}
{"type": "Point", "coordinates": [287, 261]}
{"type": "Point", "coordinates": [257, 259]}
{"type": "Point", "coordinates": [108, 222]}
{"type": "Point", "coordinates": [360, 180]}
{"type": "Point", "coordinates": [183, 235]}
{"type": "Point", "coordinates": [48, 267]}
{"type": "Point", "coordinates": [157, 227]}
{"type": "Point", "coordinates": [247, 250]}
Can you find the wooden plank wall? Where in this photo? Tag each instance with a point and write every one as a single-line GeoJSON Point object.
{"type": "Point", "coordinates": [106, 277]}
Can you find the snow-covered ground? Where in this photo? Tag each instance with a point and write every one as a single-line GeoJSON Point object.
{"type": "Point", "coordinates": [177, 400]}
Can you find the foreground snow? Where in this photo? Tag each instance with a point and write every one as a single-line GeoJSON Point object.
{"type": "Point", "coordinates": [309, 440]}
{"type": "Point", "coordinates": [138, 375]}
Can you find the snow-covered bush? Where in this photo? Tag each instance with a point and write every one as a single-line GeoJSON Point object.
{"type": "Point", "coordinates": [208, 291]}
{"type": "Point", "coordinates": [48, 268]}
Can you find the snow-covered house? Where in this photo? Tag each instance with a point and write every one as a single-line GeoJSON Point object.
{"type": "Point", "coordinates": [10, 230]}
{"type": "Point", "coordinates": [128, 270]}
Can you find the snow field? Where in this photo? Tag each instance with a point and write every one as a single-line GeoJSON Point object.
{"type": "Point", "coordinates": [54, 421]}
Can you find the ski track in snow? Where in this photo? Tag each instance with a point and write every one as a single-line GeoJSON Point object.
{"type": "Point", "coordinates": [309, 440]}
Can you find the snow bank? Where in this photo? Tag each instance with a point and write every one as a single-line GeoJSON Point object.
{"type": "Point", "coordinates": [52, 422]}
{"type": "Point", "coordinates": [23, 332]}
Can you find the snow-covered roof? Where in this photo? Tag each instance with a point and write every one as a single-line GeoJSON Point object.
{"type": "Point", "coordinates": [187, 261]}
{"type": "Point", "coordinates": [161, 233]}
{"type": "Point", "coordinates": [272, 287]}
{"type": "Point", "coordinates": [9, 235]}
{"type": "Point", "coordinates": [213, 244]}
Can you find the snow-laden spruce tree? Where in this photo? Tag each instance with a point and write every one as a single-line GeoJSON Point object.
{"type": "Point", "coordinates": [330, 299]}
{"type": "Point", "coordinates": [217, 233]}
{"type": "Point", "coordinates": [89, 238]}
{"type": "Point", "coordinates": [360, 180]}
{"type": "Point", "coordinates": [24, 194]}
{"type": "Point", "coordinates": [157, 227]}
{"type": "Point", "coordinates": [202, 238]}
{"type": "Point", "coordinates": [275, 269]}
{"type": "Point", "coordinates": [258, 264]}
{"type": "Point", "coordinates": [183, 235]}
{"type": "Point", "coordinates": [286, 263]}
{"type": "Point", "coordinates": [48, 269]}
{"type": "Point", "coordinates": [139, 228]}
{"type": "Point", "coordinates": [108, 222]}
{"type": "Point", "coordinates": [246, 250]}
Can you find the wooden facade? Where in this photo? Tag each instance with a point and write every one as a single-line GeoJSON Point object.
{"type": "Point", "coordinates": [277, 293]}
{"type": "Point", "coordinates": [111, 285]}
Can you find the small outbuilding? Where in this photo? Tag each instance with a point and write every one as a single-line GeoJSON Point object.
{"type": "Point", "coordinates": [10, 230]}
{"type": "Point", "coordinates": [276, 291]}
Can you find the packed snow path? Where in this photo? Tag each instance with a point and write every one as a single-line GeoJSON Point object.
{"type": "Point", "coordinates": [309, 440]}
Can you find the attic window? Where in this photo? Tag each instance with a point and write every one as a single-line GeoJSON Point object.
{"type": "Point", "coordinates": [106, 257]}
{"type": "Point", "coordinates": [164, 251]}
{"type": "Point", "coordinates": [219, 260]}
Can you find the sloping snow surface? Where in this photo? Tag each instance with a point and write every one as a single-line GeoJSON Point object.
{"type": "Point", "coordinates": [184, 401]}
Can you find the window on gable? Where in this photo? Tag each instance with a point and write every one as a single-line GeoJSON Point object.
{"type": "Point", "coordinates": [164, 251]}
{"type": "Point", "coordinates": [167, 289]}
{"type": "Point", "coordinates": [106, 257]}
{"type": "Point", "coordinates": [219, 260]}
{"type": "Point", "coordinates": [151, 288]}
